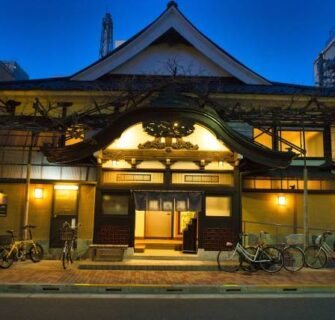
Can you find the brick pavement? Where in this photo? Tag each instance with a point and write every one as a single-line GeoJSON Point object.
{"type": "Point", "coordinates": [51, 272]}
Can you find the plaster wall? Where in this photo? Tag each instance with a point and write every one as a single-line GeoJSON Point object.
{"type": "Point", "coordinates": [164, 59]}
{"type": "Point", "coordinates": [40, 211]}
{"type": "Point", "coordinates": [263, 208]}
{"type": "Point", "coordinates": [15, 199]}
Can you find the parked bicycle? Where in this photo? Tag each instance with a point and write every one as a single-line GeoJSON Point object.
{"type": "Point", "coordinates": [269, 258]}
{"type": "Point", "coordinates": [294, 257]}
{"type": "Point", "coordinates": [317, 255]}
{"type": "Point", "coordinates": [69, 236]}
{"type": "Point", "coordinates": [19, 250]}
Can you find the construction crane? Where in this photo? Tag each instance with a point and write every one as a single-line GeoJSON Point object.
{"type": "Point", "coordinates": [106, 43]}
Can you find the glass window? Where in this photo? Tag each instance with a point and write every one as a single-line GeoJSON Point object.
{"type": "Point", "coordinates": [218, 206]}
{"type": "Point", "coordinates": [313, 140]}
{"type": "Point", "coordinates": [115, 205]}
{"type": "Point", "coordinates": [263, 138]}
{"type": "Point", "coordinates": [3, 204]}
{"type": "Point", "coordinates": [65, 202]}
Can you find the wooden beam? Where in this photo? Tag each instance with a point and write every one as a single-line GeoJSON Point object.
{"type": "Point", "coordinates": [168, 153]}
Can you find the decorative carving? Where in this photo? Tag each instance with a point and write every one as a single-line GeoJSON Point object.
{"type": "Point", "coordinates": [180, 144]}
{"type": "Point", "coordinates": [155, 144]}
{"type": "Point", "coordinates": [168, 145]}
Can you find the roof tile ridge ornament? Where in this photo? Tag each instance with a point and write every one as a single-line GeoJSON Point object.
{"type": "Point", "coordinates": [172, 4]}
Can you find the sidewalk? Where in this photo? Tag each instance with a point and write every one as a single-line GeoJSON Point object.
{"type": "Point", "coordinates": [48, 276]}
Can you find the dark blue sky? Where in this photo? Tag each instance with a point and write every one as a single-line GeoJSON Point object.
{"type": "Point", "coordinates": [279, 39]}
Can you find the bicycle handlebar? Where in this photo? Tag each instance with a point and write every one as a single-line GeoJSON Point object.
{"type": "Point", "coordinates": [328, 233]}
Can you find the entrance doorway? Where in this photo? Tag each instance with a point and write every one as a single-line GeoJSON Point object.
{"type": "Point", "coordinates": [162, 224]}
{"type": "Point", "coordinates": [164, 232]}
{"type": "Point", "coordinates": [164, 219]}
{"type": "Point", "coordinates": [158, 224]}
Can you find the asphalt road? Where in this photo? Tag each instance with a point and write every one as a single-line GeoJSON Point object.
{"type": "Point", "coordinates": [173, 307]}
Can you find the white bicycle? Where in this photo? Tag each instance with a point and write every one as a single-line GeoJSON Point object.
{"type": "Point", "coordinates": [231, 258]}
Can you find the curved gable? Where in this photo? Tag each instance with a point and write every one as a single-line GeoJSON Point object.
{"type": "Point", "coordinates": [206, 117]}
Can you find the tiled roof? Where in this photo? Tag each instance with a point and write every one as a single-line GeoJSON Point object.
{"type": "Point", "coordinates": [214, 85]}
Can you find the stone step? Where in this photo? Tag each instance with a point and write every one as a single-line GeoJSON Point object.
{"type": "Point", "coordinates": [159, 245]}
{"type": "Point", "coordinates": [139, 248]}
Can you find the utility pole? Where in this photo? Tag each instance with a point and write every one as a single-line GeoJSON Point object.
{"type": "Point", "coordinates": [28, 186]}
{"type": "Point", "coordinates": [305, 207]}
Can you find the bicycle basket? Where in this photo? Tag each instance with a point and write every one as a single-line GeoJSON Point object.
{"type": "Point", "coordinates": [66, 234]}
{"type": "Point", "coordinates": [295, 239]}
{"type": "Point", "coordinates": [252, 239]}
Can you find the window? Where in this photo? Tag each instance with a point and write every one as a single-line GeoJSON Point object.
{"type": "Point", "coordinates": [115, 205]}
{"type": "Point", "coordinates": [313, 140]}
{"type": "Point", "coordinates": [263, 138]}
{"type": "Point", "coordinates": [74, 135]}
{"type": "Point", "coordinates": [65, 202]}
{"type": "Point", "coordinates": [218, 206]}
{"type": "Point", "coordinates": [3, 204]}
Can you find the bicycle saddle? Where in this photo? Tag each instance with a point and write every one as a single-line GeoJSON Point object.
{"type": "Point", "coordinates": [10, 231]}
{"type": "Point", "coordinates": [27, 226]}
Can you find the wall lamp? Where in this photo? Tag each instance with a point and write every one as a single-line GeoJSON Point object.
{"type": "Point", "coordinates": [38, 193]}
{"type": "Point", "coordinates": [281, 201]}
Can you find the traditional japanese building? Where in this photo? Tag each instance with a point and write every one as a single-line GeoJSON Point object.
{"type": "Point", "coordinates": [167, 137]}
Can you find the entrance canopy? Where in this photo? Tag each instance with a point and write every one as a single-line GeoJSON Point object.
{"type": "Point", "coordinates": [166, 200]}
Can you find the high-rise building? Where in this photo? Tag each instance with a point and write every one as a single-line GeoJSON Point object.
{"type": "Point", "coordinates": [324, 65]}
{"type": "Point", "coordinates": [11, 70]}
{"type": "Point", "coordinates": [106, 43]}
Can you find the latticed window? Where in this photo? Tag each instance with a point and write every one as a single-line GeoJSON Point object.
{"type": "Point", "coordinates": [295, 140]}
{"type": "Point", "coordinates": [313, 141]}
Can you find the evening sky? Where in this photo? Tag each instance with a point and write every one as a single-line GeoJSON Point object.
{"type": "Point", "coordinates": [278, 39]}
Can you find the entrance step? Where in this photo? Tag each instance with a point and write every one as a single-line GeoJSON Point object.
{"type": "Point", "coordinates": [163, 256]}
{"type": "Point", "coordinates": [158, 245]}
{"type": "Point", "coordinates": [139, 248]}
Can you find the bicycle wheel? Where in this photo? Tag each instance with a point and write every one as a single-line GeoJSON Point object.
{"type": "Point", "coordinates": [247, 265]}
{"type": "Point", "coordinates": [71, 251]}
{"type": "Point", "coordinates": [5, 261]}
{"type": "Point", "coordinates": [294, 259]}
{"type": "Point", "coordinates": [272, 259]}
{"type": "Point", "coordinates": [65, 259]}
{"type": "Point", "coordinates": [315, 257]}
{"type": "Point", "coordinates": [36, 253]}
{"type": "Point", "coordinates": [229, 261]}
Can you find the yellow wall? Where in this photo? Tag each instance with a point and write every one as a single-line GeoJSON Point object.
{"type": "Point", "coordinates": [86, 211]}
{"type": "Point", "coordinates": [15, 194]}
{"type": "Point", "coordinates": [321, 211]}
{"type": "Point", "coordinates": [263, 207]}
{"type": "Point", "coordinates": [40, 210]}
